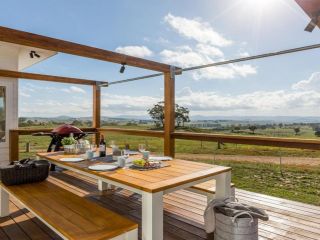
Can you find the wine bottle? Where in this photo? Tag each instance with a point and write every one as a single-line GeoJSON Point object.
{"type": "Point", "coordinates": [102, 147]}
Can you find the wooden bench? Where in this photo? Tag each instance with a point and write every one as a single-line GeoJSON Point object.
{"type": "Point", "coordinates": [209, 189]}
{"type": "Point", "coordinates": [70, 216]}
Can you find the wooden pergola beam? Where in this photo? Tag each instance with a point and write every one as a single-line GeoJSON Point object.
{"type": "Point", "coordinates": [57, 45]}
{"type": "Point", "coordinates": [48, 78]}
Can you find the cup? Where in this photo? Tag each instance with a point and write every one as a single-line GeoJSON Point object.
{"type": "Point", "coordinates": [89, 154]}
{"type": "Point", "coordinates": [145, 155]}
{"type": "Point", "coordinates": [121, 161]}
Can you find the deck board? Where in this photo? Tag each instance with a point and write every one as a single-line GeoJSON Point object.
{"type": "Point", "coordinates": [183, 219]}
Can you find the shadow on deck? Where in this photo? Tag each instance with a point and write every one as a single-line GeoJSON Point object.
{"type": "Point", "coordinates": [183, 213]}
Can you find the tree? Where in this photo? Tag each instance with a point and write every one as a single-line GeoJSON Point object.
{"type": "Point", "coordinates": [181, 115]}
{"type": "Point", "coordinates": [157, 114]}
{"type": "Point", "coordinates": [252, 128]}
{"type": "Point", "coordinates": [296, 130]}
{"type": "Point", "coordinates": [317, 131]}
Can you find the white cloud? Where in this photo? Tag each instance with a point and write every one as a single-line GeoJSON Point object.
{"type": "Point", "coordinates": [114, 104]}
{"type": "Point", "coordinates": [209, 50]}
{"type": "Point", "coordinates": [243, 54]}
{"type": "Point", "coordinates": [136, 51]}
{"type": "Point", "coordinates": [255, 103]}
{"type": "Point", "coordinates": [196, 29]}
{"type": "Point", "coordinates": [74, 89]}
{"type": "Point", "coordinates": [313, 83]}
{"type": "Point", "coordinates": [57, 107]}
{"type": "Point", "coordinates": [205, 51]}
{"type": "Point", "coordinates": [185, 56]}
{"type": "Point", "coordinates": [23, 94]}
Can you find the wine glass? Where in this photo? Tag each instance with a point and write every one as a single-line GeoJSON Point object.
{"type": "Point", "coordinates": [142, 147]}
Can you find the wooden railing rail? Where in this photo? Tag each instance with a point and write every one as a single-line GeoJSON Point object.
{"type": "Point", "coordinates": [311, 144]}
{"type": "Point", "coordinates": [145, 133]}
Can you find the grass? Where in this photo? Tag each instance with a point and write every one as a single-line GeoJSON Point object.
{"type": "Point", "coordinates": [296, 183]}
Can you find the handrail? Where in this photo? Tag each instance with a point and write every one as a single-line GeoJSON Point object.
{"type": "Point", "coordinates": [311, 144]}
{"type": "Point", "coordinates": [28, 131]}
{"type": "Point", "coordinates": [146, 133]}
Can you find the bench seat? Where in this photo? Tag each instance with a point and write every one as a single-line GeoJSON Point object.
{"type": "Point", "coordinates": [70, 216]}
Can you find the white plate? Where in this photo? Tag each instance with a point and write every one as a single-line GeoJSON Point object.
{"type": "Point", "coordinates": [71, 159]}
{"type": "Point", "coordinates": [130, 152]}
{"type": "Point", "coordinates": [160, 158]}
{"type": "Point", "coordinates": [103, 167]}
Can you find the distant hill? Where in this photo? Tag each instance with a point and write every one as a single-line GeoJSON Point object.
{"type": "Point", "coordinates": [196, 118]}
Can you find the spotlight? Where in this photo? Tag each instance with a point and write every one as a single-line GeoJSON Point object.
{"type": "Point", "coordinates": [34, 54]}
{"type": "Point", "coordinates": [123, 68]}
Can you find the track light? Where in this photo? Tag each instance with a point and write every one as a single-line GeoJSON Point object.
{"type": "Point", "coordinates": [123, 68]}
{"type": "Point", "coordinates": [34, 54]}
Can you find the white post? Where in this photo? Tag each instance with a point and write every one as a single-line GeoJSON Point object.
{"type": "Point", "coordinates": [152, 216]}
{"type": "Point", "coordinates": [4, 203]}
{"type": "Point", "coordinates": [223, 185]}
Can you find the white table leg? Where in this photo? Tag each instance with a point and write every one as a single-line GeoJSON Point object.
{"type": "Point", "coordinates": [223, 183]}
{"type": "Point", "coordinates": [152, 216]}
{"type": "Point", "coordinates": [102, 185]}
{"type": "Point", "coordinates": [4, 203]}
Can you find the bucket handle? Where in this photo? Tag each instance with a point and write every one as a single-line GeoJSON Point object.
{"type": "Point", "coordinates": [240, 214]}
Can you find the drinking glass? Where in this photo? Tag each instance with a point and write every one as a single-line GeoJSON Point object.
{"type": "Point", "coordinates": [142, 147]}
{"type": "Point", "coordinates": [93, 147]}
{"type": "Point", "coordinates": [112, 144]}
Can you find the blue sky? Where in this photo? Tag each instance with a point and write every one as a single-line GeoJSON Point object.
{"type": "Point", "coordinates": [184, 33]}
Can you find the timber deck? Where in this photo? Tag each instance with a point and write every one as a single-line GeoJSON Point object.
{"type": "Point", "coordinates": [183, 213]}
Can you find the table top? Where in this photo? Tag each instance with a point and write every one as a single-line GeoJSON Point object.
{"type": "Point", "coordinates": [178, 172]}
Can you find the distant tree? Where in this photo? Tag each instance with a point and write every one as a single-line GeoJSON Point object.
{"type": "Point", "coordinates": [296, 130]}
{"type": "Point", "coordinates": [182, 115]}
{"type": "Point", "coordinates": [253, 128]}
{"type": "Point", "coordinates": [30, 123]}
{"type": "Point", "coordinates": [157, 114]}
{"type": "Point", "coordinates": [22, 119]}
{"type": "Point", "coordinates": [317, 133]}
{"type": "Point", "coordinates": [235, 129]}
{"type": "Point", "coordinates": [76, 123]}
{"type": "Point", "coordinates": [280, 125]}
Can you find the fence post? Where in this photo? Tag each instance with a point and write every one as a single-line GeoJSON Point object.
{"type": "Point", "coordinates": [13, 145]}
{"type": "Point", "coordinates": [169, 112]}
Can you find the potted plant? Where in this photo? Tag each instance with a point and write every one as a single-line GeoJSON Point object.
{"type": "Point", "coordinates": [69, 145]}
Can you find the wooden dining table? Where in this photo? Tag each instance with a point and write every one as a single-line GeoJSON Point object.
{"type": "Point", "coordinates": [152, 185]}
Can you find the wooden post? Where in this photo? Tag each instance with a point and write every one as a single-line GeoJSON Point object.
{"type": "Point", "coordinates": [96, 121]}
{"type": "Point", "coordinates": [13, 146]}
{"type": "Point", "coordinates": [169, 112]}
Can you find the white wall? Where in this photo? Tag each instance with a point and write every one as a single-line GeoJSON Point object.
{"type": "Point", "coordinates": [9, 60]}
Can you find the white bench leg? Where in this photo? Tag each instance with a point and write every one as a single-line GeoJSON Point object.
{"type": "Point", "coordinates": [4, 203]}
{"type": "Point", "coordinates": [102, 185]}
{"type": "Point", "coordinates": [152, 216]}
{"type": "Point", "coordinates": [210, 197]}
{"type": "Point", "coordinates": [223, 182]}
{"type": "Point", "coordinates": [132, 235]}
{"type": "Point", "coordinates": [233, 192]}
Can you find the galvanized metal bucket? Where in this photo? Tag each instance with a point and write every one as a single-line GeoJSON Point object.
{"type": "Point", "coordinates": [240, 227]}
